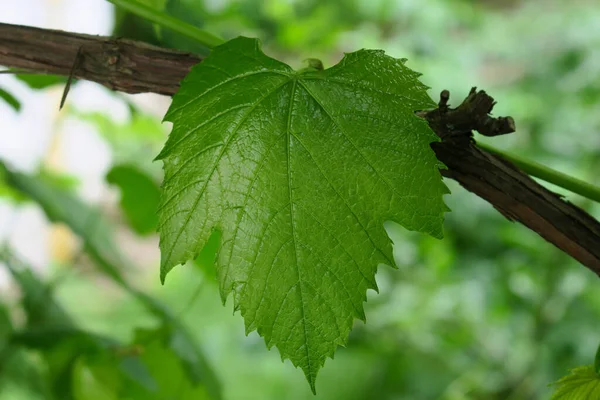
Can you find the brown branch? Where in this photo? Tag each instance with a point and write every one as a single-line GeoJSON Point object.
{"type": "Point", "coordinates": [501, 183]}
{"type": "Point", "coordinates": [135, 67]}
{"type": "Point", "coordinates": [119, 64]}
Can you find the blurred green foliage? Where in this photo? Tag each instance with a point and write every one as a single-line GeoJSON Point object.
{"type": "Point", "coordinates": [490, 312]}
{"type": "Point", "coordinates": [139, 197]}
{"type": "Point", "coordinates": [41, 81]}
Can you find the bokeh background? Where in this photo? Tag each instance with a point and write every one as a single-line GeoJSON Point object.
{"type": "Point", "coordinates": [490, 312]}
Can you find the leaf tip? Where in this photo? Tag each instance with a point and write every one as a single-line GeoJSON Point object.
{"type": "Point", "coordinates": [164, 270]}
{"type": "Point", "coordinates": [438, 233]}
{"type": "Point", "coordinates": [312, 383]}
{"type": "Point", "coordinates": [161, 155]}
{"type": "Point", "coordinates": [361, 316]}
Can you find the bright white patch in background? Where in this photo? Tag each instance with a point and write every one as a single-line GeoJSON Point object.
{"type": "Point", "coordinates": [29, 237]}
{"type": "Point", "coordinates": [94, 17]}
{"type": "Point", "coordinates": [25, 134]}
{"type": "Point", "coordinates": [25, 230]}
{"type": "Point", "coordinates": [88, 97]}
{"type": "Point", "coordinates": [28, 136]}
{"type": "Point", "coordinates": [25, 12]}
{"type": "Point", "coordinates": [86, 156]}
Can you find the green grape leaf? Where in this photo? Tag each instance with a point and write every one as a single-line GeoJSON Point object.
{"type": "Point", "coordinates": [298, 171]}
{"type": "Point", "coordinates": [582, 383]}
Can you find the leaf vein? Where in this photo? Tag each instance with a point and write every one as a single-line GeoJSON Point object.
{"type": "Point", "coordinates": [291, 196]}
{"type": "Point", "coordinates": [225, 147]}
{"type": "Point", "coordinates": [218, 85]}
{"type": "Point", "coordinates": [390, 186]}
{"type": "Point", "coordinates": [347, 206]}
{"type": "Point", "coordinates": [243, 208]}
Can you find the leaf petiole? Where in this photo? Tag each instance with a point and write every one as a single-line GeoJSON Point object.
{"type": "Point", "coordinates": [548, 174]}
{"type": "Point", "coordinates": [165, 20]}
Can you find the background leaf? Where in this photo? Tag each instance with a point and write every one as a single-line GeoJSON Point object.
{"type": "Point", "coordinates": [582, 383]}
{"type": "Point", "coordinates": [139, 197]}
{"type": "Point", "coordinates": [597, 361]}
{"type": "Point", "coordinates": [160, 352]}
{"type": "Point", "coordinates": [134, 27]}
{"type": "Point", "coordinates": [41, 81]}
{"type": "Point", "coordinates": [10, 99]}
{"type": "Point", "coordinates": [5, 327]}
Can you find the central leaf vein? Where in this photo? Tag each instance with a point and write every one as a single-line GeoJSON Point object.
{"type": "Point", "coordinates": [291, 197]}
{"type": "Point", "coordinates": [218, 85]}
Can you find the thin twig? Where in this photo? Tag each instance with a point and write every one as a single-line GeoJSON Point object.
{"type": "Point", "coordinates": [76, 64]}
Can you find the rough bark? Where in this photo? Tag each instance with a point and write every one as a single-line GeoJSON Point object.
{"type": "Point", "coordinates": [135, 67]}
{"type": "Point", "coordinates": [512, 192]}
{"type": "Point", "coordinates": [119, 64]}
